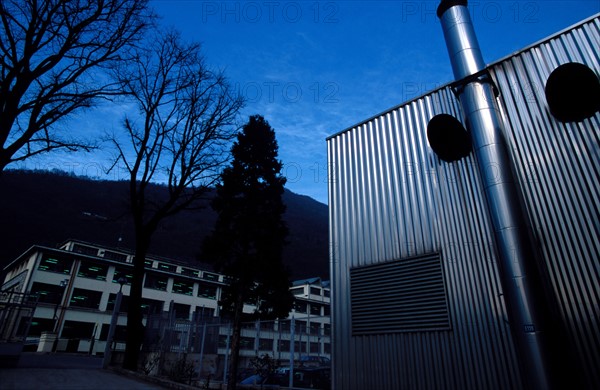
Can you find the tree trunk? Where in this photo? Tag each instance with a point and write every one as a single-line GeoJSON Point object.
{"type": "Point", "coordinates": [235, 342]}
{"type": "Point", "coordinates": [135, 328]}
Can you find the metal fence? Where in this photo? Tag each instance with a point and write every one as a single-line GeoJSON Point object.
{"type": "Point", "coordinates": [195, 351]}
{"type": "Point", "coordinates": [16, 311]}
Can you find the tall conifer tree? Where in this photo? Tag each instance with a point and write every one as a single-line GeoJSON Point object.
{"type": "Point", "coordinates": [248, 239]}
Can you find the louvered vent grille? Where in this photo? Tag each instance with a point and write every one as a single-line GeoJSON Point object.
{"type": "Point", "coordinates": [399, 296]}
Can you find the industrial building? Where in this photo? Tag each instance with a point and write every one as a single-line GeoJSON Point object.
{"type": "Point", "coordinates": [76, 284]}
{"type": "Point", "coordinates": [465, 224]}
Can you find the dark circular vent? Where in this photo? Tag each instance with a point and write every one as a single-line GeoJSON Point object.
{"type": "Point", "coordinates": [573, 92]}
{"type": "Point", "coordinates": [448, 138]}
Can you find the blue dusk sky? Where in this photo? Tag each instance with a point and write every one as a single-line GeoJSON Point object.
{"type": "Point", "coordinates": [314, 68]}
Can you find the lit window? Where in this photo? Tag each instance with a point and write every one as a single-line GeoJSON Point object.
{"type": "Point", "coordinates": [123, 273]}
{"type": "Point", "coordinates": [92, 270]}
{"type": "Point", "coordinates": [88, 299]}
{"type": "Point", "coordinates": [152, 306]}
{"type": "Point", "coordinates": [209, 276]}
{"type": "Point", "coordinates": [47, 293]}
{"type": "Point", "coordinates": [189, 272]}
{"type": "Point", "coordinates": [55, 264]}
{"type": "Point", "coordinates": [181, 286]}
{"type": "Point", "coordinates": [39, 325]}
{"type": "Point", "coordinates": [156, 282]}
{"type": "Point", "coordinates": [207, 291]}
{"type": "Point", "coordinates": [167, 267]}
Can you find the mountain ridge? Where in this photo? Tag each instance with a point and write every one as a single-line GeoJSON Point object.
{"type": "Point", "coordinates": [48, 208]}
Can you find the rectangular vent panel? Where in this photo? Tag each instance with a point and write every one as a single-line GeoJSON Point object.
{"type": "Point", "coordinates": [406, 295]}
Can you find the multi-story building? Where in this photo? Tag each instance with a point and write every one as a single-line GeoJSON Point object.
{"type": "Point", "coordinates": [77, 283]}
{"type": "Point", "coordinates": [312, 316]}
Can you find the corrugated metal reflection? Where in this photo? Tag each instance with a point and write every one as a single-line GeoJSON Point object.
{"type": "Point", "coordinates": [390, 197]}
{"type": "Point", "coordinates": [559, 168]}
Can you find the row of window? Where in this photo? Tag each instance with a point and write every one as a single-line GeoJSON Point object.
{"type": "Point", "coordinates": [88, 299]}
{"type": "Point", "coordinates": [180, 286]}
{"type": "Point", "coordinates": [300, 327]}
{"type": "Point", "coordinates": [312, 308]}
{"type": "Point", "coordinates": [98, 271]}
{"type": "Point", "coordinates": [88, 330]}
{"type": "Point", "coordinates": [154, 281]}
{"type": "Point", "coordinates": [50, 293]}
{"type": "Point", "coordinates": [76, 329]}
{"type": "Point", "coordinates": [264, 344]}
{"type": "Point", "coordinates": [159, 282]}
{"type": "Point", "coordinates": [312, 291]}
{"type": "Point", "coordinates": [55, 264]}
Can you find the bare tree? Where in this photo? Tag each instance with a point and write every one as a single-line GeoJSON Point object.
{"type": "Point", "coordinates": [180, 137]}
{"type": "Point", "coordinates": [52, 53]}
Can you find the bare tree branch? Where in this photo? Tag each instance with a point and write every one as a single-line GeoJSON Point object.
{"type": "Point", "coordinates": [53, 55]}
{"type": "Point", "coordinates": [180, 136]}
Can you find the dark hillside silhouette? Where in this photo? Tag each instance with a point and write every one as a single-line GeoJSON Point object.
{"type": "Point", "coordinates": [47, 208]}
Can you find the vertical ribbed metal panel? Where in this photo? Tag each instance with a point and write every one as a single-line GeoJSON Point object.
{"type": "Point", "coordinates": [559, 170]}
{"type": "Point", "coordinates": [390, 198]}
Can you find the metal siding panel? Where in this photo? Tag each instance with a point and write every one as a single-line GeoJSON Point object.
{"type": "Point", "coordinates": [409, 186]}
{"type": "Point", "coordinates": [559, 167]}
{"type": "Point", "coordinates": [390, 198]}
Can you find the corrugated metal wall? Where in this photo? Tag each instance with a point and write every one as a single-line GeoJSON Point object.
{"type": "Point", "coordinates": [390, 198]}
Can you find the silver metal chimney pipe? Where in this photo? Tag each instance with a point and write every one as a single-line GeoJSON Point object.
{"type": "Point", "coordinates": [523, 295]}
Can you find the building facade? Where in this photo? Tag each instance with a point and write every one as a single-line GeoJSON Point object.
{"type": "Point", "coordinates": [77, 283]}
{"type": "Point", "coordinates": [418, 300]}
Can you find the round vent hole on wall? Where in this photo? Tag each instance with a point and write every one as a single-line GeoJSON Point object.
{"type": "Point", "coordinates": [573, 92]}
{"type": "Point", "coordinates": [448, 138]}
